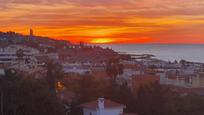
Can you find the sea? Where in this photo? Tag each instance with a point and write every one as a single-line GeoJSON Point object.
{"type": "Point", "coordinates": [167, 52]}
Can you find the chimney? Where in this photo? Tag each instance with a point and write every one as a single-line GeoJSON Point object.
{"type": "Point", "coordinates": [101, 103]}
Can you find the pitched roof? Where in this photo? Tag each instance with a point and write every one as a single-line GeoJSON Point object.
{"type": "Point", "coordinates": [107, 104]}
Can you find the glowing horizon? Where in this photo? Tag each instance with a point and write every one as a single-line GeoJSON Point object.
{"type": "Point", "coordinates": [107, 21]}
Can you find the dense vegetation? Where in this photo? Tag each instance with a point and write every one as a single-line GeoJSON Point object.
{"type": "Point", "coordinates": [153, 99]}
{"type": "Point", "coordinates": [22, 95]}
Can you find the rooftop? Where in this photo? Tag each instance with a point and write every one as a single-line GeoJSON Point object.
{"type": "Point", "coordinates": [107, 104]}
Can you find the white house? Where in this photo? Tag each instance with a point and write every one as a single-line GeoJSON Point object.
{"type": "Point", "coordinates": [2, 72]}
{"type": "Point", "coordinates": [198, 81]}
{"type": "Point", "coordinates": [102, 107]}
{"type": "Point", "coordinates": [128, 73]}
{"type": "Point", "coordinates": [76, 68]}
{"type": "Point", "coordinates": [8, 53]}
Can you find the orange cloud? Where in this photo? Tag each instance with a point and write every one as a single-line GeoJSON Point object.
{"type": "Point", "coordinates": [107, 21]}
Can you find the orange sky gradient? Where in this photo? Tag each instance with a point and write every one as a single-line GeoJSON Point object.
{"type": "Point", "coordinates": [107, 21]}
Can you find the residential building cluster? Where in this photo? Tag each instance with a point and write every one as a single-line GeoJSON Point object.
{"type": "Point", "coordinates": [179, 74]}
{"type": "Point", "coordinates": [30, 54]}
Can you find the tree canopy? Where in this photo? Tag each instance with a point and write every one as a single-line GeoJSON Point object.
{"type": "Point", "coordinates": [27, 96]}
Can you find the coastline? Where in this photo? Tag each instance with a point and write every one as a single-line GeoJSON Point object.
{"type": "Point", "coordinates": [167, 52]}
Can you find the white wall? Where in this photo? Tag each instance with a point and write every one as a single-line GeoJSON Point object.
{"type": "Point", "coordinates": [88, 111]}
{"type": "Point", "coordinates": [112, 111]}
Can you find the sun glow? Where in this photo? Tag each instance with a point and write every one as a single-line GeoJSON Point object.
{"type": "Point", "coordinates": [107, 21]}
{"type": "Point", "coordinates": [102, 40]}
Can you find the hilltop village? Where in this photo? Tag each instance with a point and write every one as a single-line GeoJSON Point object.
{"type": "Point", "coordinates": [31, 56]}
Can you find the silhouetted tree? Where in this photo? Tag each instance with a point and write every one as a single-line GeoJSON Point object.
{"type": "Point", "coordinates": [20, 54]}
{"type": "Point", "coordinates": [155, 99]}
{"type": "Point", "coordinates": [114, 68]}
{"type": "Point", "coordinates": [54, 74]}
{"type": "Point", "coordinates": [28, 96]}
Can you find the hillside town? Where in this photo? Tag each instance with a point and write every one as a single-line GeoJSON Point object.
{"type": "Point", "coordinates": [31, 54]}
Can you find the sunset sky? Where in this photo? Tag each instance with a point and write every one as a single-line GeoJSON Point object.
{"type": "Point", "coordinates": [107, 21]}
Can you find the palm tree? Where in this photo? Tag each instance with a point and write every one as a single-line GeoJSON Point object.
{"type": "Point", "coordinates": [19, 54]}
{"type": "Point", "coordinates": [54, 74]}
{"type": "Point", "coordinates": [114, 68]}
